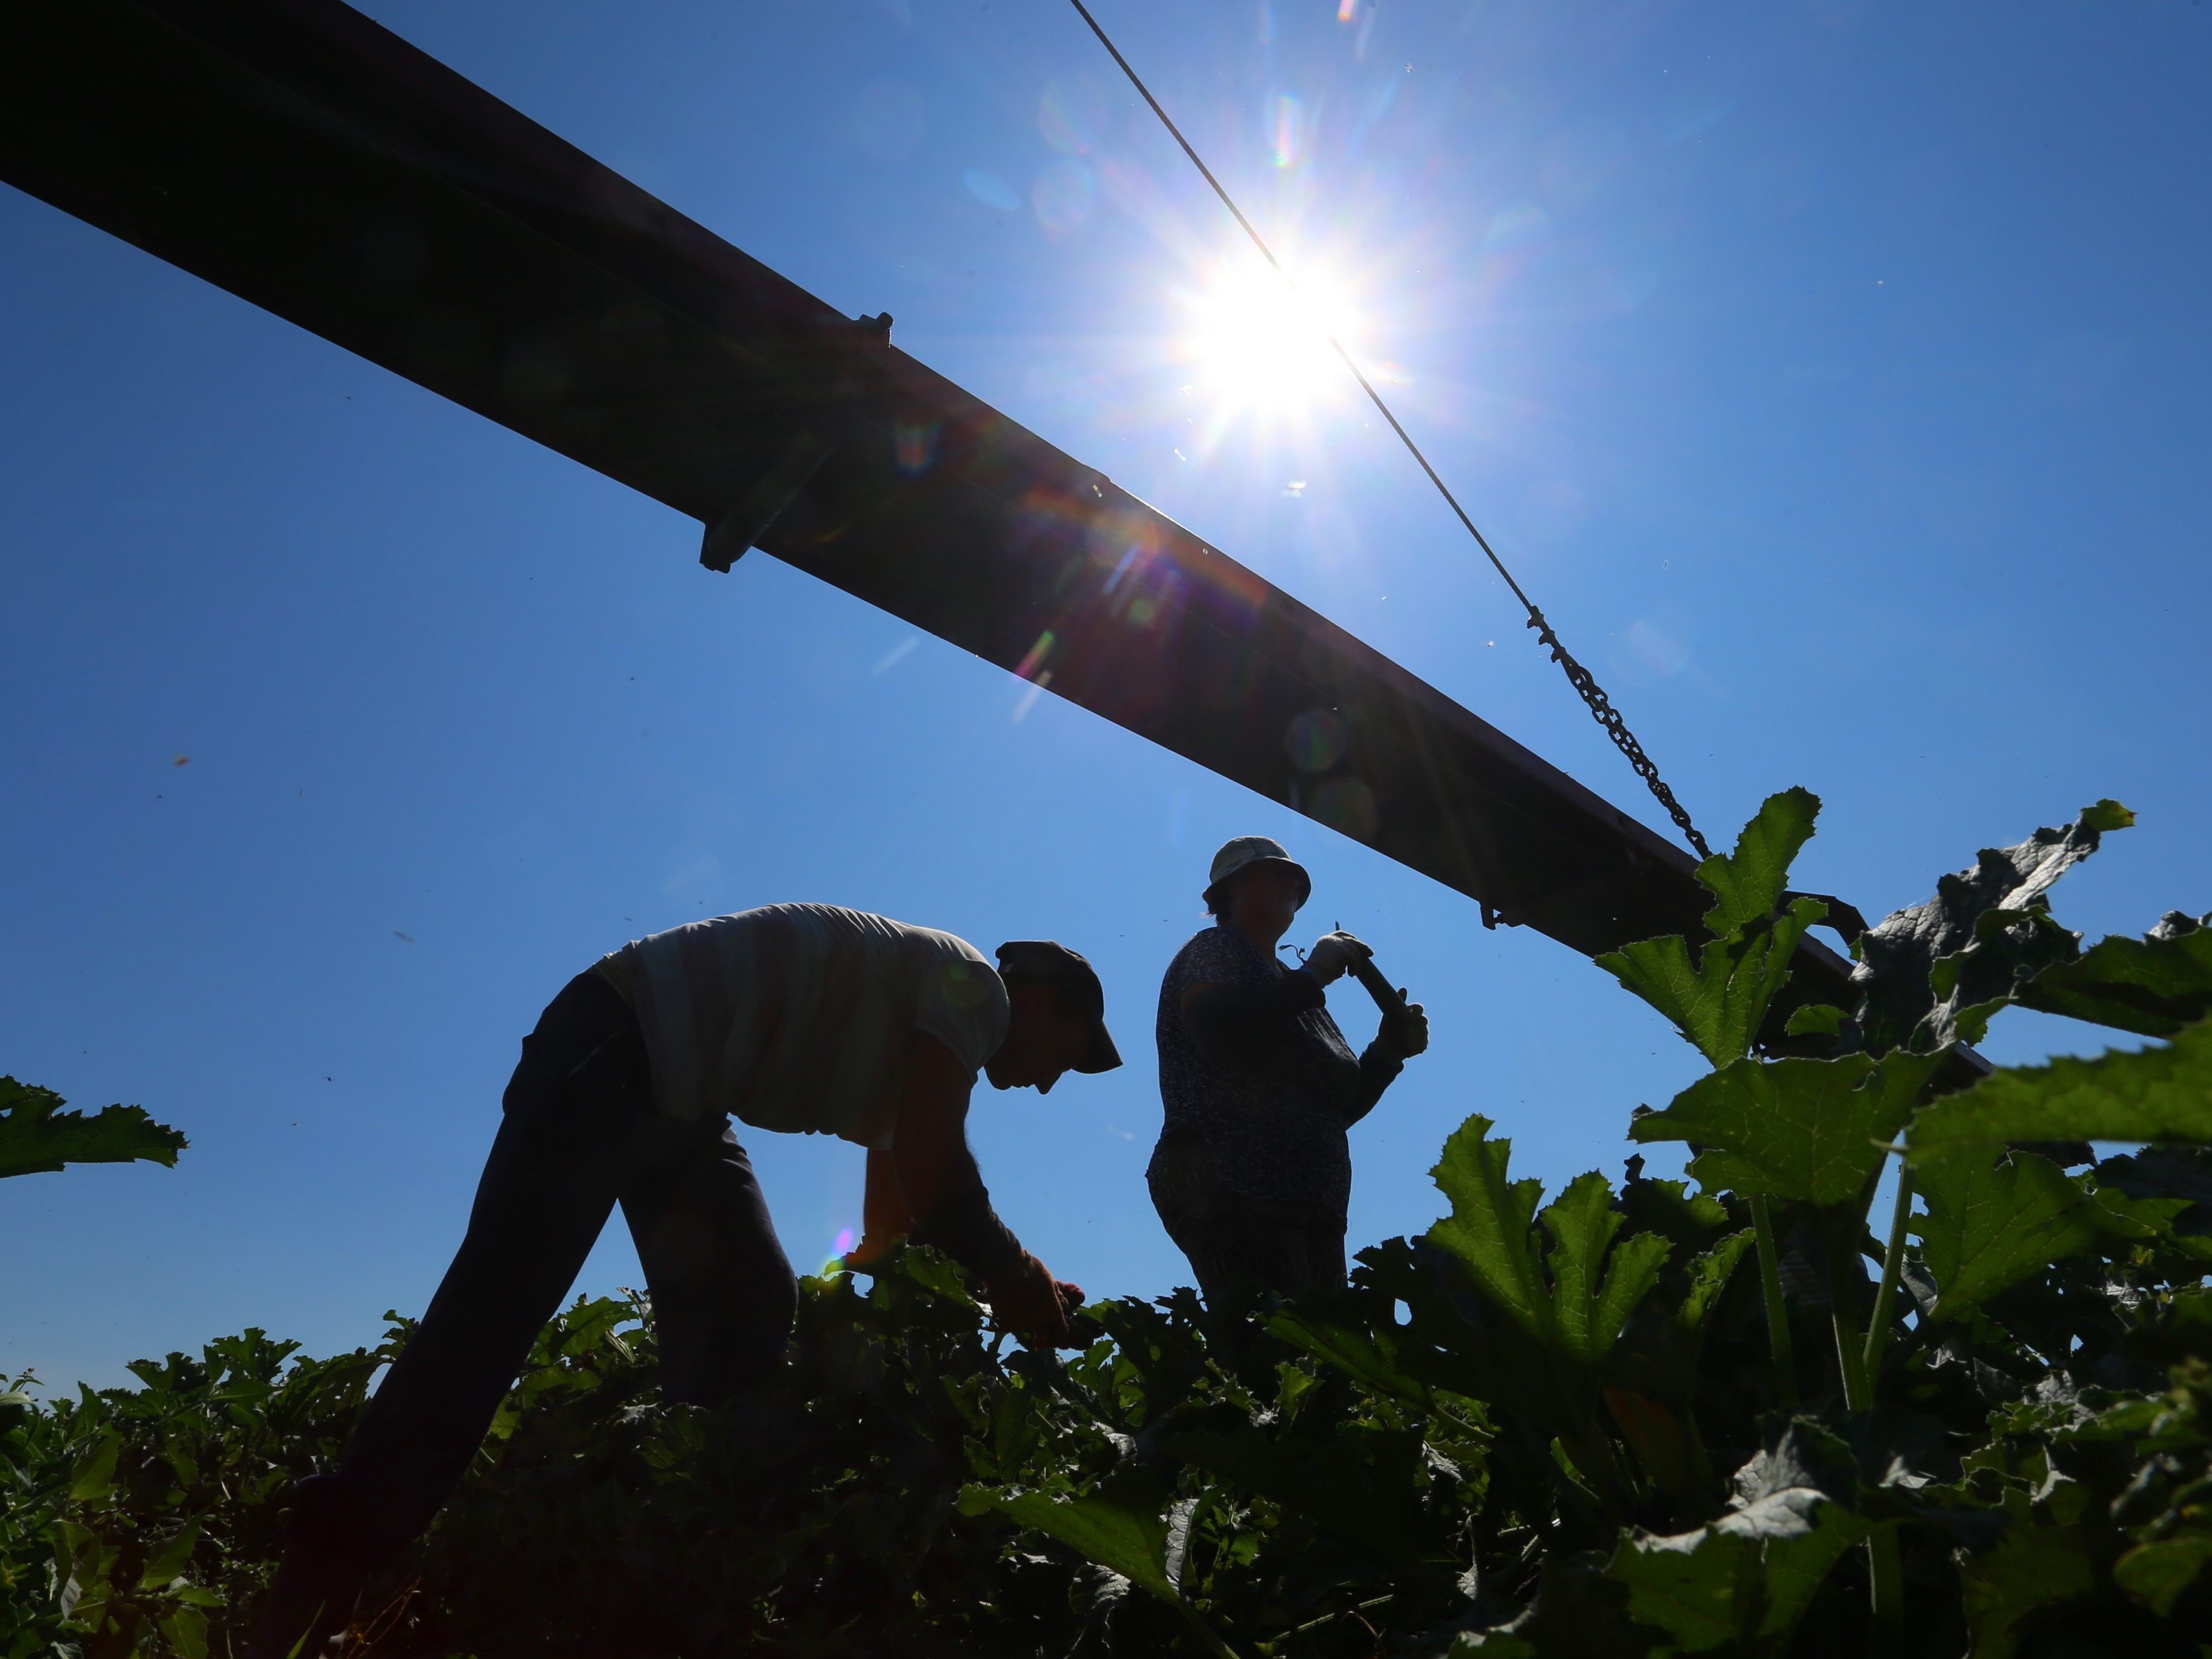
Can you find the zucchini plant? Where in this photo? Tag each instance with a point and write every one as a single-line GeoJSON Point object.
{"type": "Point", "coordinates": [1752, 1413]}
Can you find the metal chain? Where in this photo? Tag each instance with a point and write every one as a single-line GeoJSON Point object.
{"type": "Point", "coordinates": [1601, 706]}
{"type": "Point", "coordinates": [1603, 712]}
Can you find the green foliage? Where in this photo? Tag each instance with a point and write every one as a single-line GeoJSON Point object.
{"type": "Point", "coordinates": [1719, 1002]}
{"type": "Point", "coordinates": [137, 1520]}
{"type": "Point", "coordinates": [1932, 974]}
{"type": "Point", "coordinates": [37, 1137]}
{"type": "Point", "coordinates": [1808, 1130]}
{"type": "Point", "coordinates": [1739, 1584]}
{"type": "Point", "coordinates": [2154, 984]}
{"type": "Point", "coordinates": [1125, 1532]}
{"type": "Point", "coordinates": [1571, 1298]}
{"type": "Point", "coordinates": [1747, 884]}
{"type": "Point", "coordinates": [2155, 1094]}
{"type": "Point", "coordinates": [1580, 1430]}
{"type": "Point", "coordinates": [1989, 1225]}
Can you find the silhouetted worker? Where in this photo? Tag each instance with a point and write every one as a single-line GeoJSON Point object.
{"type": "Point", "coordinates": [1253, 1172]}
{"type": "Point", "coordinates": [800, 1018]}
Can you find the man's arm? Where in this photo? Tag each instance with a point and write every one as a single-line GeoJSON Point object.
{"type": "Point", "coordinates": [944, 1193]}
{"type": "Point", "coordinates": [885, 1219]}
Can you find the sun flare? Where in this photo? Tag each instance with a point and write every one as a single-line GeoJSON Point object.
{"type": "Point", "coordinates": [1257, 342]}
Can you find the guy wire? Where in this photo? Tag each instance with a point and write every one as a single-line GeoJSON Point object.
{"type": "Point", "coordinates": [1601, 706]}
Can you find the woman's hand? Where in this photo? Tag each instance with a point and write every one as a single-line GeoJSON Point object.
{"type": "Point", "coordinates": [1408, 1034]}
{"type": "Point", "coordinates": [1332, 955]}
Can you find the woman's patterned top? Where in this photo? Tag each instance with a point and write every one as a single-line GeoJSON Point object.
{"type": "Point", "coordinates": [1263, 1076]}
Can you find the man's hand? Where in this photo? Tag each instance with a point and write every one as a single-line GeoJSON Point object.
{"type": "Point", "coordinates": [1332, 955]}
{"type": "Point", "coordinates": [1028, 1302]}
{"type": "Point", "coordinates": [1408, 1034]}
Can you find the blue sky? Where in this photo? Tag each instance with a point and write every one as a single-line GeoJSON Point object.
{"type": "Point", "coordinates": [1832, 373]}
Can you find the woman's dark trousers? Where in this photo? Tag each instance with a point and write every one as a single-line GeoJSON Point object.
{"type": "Point", "coordinates": [579, 1135]}
{"type": "Point", "coordinates": [1240, 1248]}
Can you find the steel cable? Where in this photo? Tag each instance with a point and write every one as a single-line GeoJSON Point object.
{"type": "Point", "coordinates": [1585, 685]}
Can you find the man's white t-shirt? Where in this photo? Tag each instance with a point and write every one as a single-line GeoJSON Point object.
{"type": "Point", "coordinates": [797, 1016]}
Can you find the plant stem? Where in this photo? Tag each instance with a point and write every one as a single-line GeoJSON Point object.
{"type": "Point", "coordinates": [1846, 1283]}
{"type": "Point", "coordinates": [1777, 1315]}
{"type": "Point", "coordinates": [1886, 1597]}
{"type": "Point", "coordinates": [1892, 1266]}
{"type": "Point", "coordinates": [1884, 1566]}
{"type": "Point", "coordinates": [1204, 1632]}
{"type": "Point", "coordinates": [1333, 1617]}
{"type": "Point", "coordinates": [1849, 1360]}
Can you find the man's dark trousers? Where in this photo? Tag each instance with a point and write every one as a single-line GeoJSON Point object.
{"type": "Point", "coordinates": [580, 1135]}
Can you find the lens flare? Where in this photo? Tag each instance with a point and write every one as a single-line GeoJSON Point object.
{"type": "Point", "coordinates": [991, 191]}
{"type": "Point", "coordinates": [1062, 197]}
{"type": "Point", "coordinates": [1286, 132]}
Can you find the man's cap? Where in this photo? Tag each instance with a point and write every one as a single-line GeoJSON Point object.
{"type": "Point", "coordinates": [1246, 851]}
{"type": "Point", "coordinates": [1046, 962]}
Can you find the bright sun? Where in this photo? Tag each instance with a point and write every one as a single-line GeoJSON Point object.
{"type": "Point", "coordinates": [1257, 342]}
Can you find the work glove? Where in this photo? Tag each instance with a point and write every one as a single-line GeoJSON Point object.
{"type": "Point", "coordinates": [1406, 1034]}
{"type": "Point", "coordinates": [1332, 955]}
{"type": "Point", "coordinates": [1029, 1302]}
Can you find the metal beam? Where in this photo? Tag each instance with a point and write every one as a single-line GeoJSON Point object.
{"type": "Point", "coordinates": [311, 163]}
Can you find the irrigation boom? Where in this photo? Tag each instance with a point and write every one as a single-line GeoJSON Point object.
{"type": "Point", "coordinates": [315, 164]}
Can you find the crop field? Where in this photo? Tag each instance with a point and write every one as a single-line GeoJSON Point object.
{"type": "Point", "coordinates": [1754, 1412]}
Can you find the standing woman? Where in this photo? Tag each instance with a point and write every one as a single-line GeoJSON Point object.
{"type": "Point", "coordinates": [1253, 1173]}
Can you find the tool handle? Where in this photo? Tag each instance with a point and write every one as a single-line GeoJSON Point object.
{"type": "Point", "coordinates": [1385, 994]}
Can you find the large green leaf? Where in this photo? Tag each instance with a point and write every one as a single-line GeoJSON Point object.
{"type": "Point", "coordinates": [1592, 1295]}
{"type": "Point", "coordinates": [1747, 884]}
{"type": "Point", "coordinates": [92, 1476]}
{"type": "Point", "coordinates": [1579, 1612]}
{"type": "Point", "coordinates": [1989, 1225]}
{"type": "Point", "coordinates": [2154, 984]}
{"type": "Point", "coordinates": [1371, 1357]}
{"type": "Point", "coordinates": [37, 1137]}
{"type": "Point", "coordinates": [1899, 1003]}
{"type": "Point", "coordinates": [2160, 1573]}
{"type": "Point", "coordinates": [1709, 1275]}
{"type": "Point", "coordinates": [2009, 949]}
{"type": "Point", "coordinates": [169, 1561]}
{"type": "Point", "coordinates": [1122, 1526]}
{"type": "Point", "coordinates": [187, 1628]}
{"type": "Point", "coordinates": [1676, 1210]}
{"type": "Point", "coordinates": [1577, 1307]}
{"type": "Point", "coordinates": [2155, 1172]}
{"type": "Point", "coordinates": [1720, 1000]}
{"type": "Point", "coordinates": [2156, 1094]}
{"type": "Point", "coordinates": [1806, 1130]}
{"type": "Point", "coordinates": [2031, 1568]}
{"type": "Point", "coordinates": [1124, 1531]}
{"type": "Point", "coordinates": [1742, 1582]}
{"type": "Point", "coordinates": [1488, 1229]}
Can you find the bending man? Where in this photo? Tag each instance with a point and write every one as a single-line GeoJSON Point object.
{"type": "Point", "coordinates": [800, 1018]}
{"type": "Point", "coordinates": [1253, 1173]}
